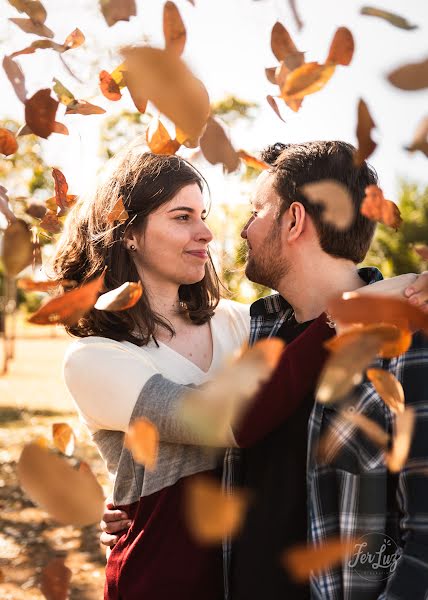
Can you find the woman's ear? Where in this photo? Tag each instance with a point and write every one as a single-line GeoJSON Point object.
{"type": "Point", "coordinates": [296, 221]}
{"type": "Point", "coordinates": [129, 240]}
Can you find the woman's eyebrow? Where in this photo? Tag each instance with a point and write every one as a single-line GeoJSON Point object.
{"type": "Point", "coordinates": [186, 209]}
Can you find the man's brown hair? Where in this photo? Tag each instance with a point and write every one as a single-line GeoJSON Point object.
{"type": "Point", "coordinates": [294, 165]}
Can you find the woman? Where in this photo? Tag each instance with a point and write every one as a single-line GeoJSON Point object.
{"type": "Point", "coordinates": [128, 364]}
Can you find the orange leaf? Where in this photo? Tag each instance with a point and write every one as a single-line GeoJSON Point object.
{"type": "Point", "coordinates": [272, 103]}
{"type": "Point", "coordinates": [159, 140]}
{"type": "Point", "coordinates": [122, 298]}
{"type": "Point", "coordinates": [55, 580]}
{"type": "Point", "coordinates": [211, 515]}
{"type": "Point", "coordinates": [402, 440]}
{"type": "Point", "coordinates": [81, 107]}
{"type": "Point", "coordinates": [109, 87]}
{"type": "Point", "coordinates": [50, 222]}
{"type": "Point", "coordinates": [118, 10]}
{"type": "Point", "coordinates": [334, 197]}
{"type": "Point", "coordinates": [341, 48]}
{"type": "Point", "coordinates": [70, 496]}
{"type": "Point", "coordinates": [118, 212]}
{"type": "Point", "coordinates": [170, 85]}
{"type": "Point", "coordinates": [63, 437]}
{"type": "Point", "coordinates": [217, 148]}
{"type": "Point", "coordinates": [389, 388]}
{"type": "Point", "coordinates": [366, 145]}
{"type": "Point", "coordinates": [307, 79]}
{"type": "Point", "coordinates": [60, 128]}
{"type": "Point", "coordinates": [301, 560]}
{"type": "Point", "coordinates": [8, 143]}
{"type": "Point", "coordinates": [16, 77]}
{"type": "Point", "coordinates": [33, 8]}
{"type": "Point", "coordinates": [63, 200]}
{"type": "Point", "coordinates": [29, 26]}
{"type": "Point", "coordinates": [270, 75]}
{"type": "Point", "coordinates": [40, 111]}
{"type": "Point", "coordinates": [377, 208]}
{"type": "Point", "coordinates": [142, 439]}
{"type": "Point", "coordinates": [281, 43]}
{"type": "Point", "coordinates": [74, 40]}
{"type": "Point", "coordinates": [410, 77]}
{"type": "Point", "coordinates": [69, 307]}
{"type": "Point", "coordinates": [17, 247]}
{"type": "Point", "coordinates": [395, 340]}
{"type": "Point", "coordinates": [29, 285]}
{"type": "Point", "coordinates": [173, 29]}
{"type": "Point", "coordinates": [252, 161]}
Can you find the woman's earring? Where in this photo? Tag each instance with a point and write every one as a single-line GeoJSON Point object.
{"type": "Point", "coordinates": [132, 248]}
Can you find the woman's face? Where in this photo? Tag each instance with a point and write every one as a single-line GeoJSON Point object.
{"type": "Point", "coordinates": [173, 247]}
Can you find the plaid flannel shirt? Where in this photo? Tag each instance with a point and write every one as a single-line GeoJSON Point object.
{"type": "Point", "coordinates": [355, 494]}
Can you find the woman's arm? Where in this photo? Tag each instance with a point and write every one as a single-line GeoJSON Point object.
{"type": "Point", "coordinates": [411, 286]}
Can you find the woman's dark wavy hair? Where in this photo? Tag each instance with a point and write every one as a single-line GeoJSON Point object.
{"type": "Point", "coordinates": [90, 243]}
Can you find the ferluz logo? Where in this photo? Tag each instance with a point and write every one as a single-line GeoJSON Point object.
{"type": "Point", "coordinates": [375, 556]}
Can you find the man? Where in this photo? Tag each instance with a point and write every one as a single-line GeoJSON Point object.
{"type": "Point", "coordinates": [292, 250]}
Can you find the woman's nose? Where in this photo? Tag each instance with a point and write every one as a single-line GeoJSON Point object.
{"type": "Point", "coordinates": [204, 233]}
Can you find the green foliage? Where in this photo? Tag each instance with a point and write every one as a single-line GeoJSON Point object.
{"type": "Point", "coordinates": [231, 109]}
{"type": "Point", "coordinates": [392, 252]}
{"type": "Point", "coordinates": [120, 129]}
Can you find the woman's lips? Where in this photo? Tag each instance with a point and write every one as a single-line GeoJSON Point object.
{"type": "Point", "coordinates": [202, 254]}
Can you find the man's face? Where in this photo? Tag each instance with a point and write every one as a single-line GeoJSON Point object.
{"type": "Point", "coordinates": [265, 261]}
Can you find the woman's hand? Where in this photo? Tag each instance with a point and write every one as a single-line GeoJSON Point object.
{"type": "Point", "coordinates": [411, 286]}
{"type": "Point", "coordinates": [113, 522]}
{"type": "Point", "coordinates": [417, 291]}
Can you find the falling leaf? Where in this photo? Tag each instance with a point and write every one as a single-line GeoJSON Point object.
{"type": "Point", "coordinates": [158, 139]}
{"type": "Point", "coordinates": [63, 200]}
{"type": "Point", "coordinates": [55, 580]}
{"type": "Point", "coordinates": [344, 370]}
{"type": "Point", "coordinates": [212, 515]}
{"type": "Point", "coordinates": [173, 29]}
{"type": "Point", "coordinates": [70, 307]}
{"type": "Point", "coordinates": [370, 428]}
{"type": "Point", "coordinates": [17, 247]}
{"type": "Point", "coordinates": [395, 340]}
{"type": "Point", "coordinates": [388, 387]}
{"type": "Point", "coordinates": [360, 308]}
{"type": "Point", "coordinates": [422, 250]}
{"type": "Point", "coordinates": [63, 437]}
{"type": "Point", "coordinates": [281, 43]}
{"type": "Point", "coordinates": [334, 197]}
{"type": "Point", "coordinates": [121, 298]}
{"type": "Point", "coordinates": [170, 85]}
{"type": "Point", "coordinates": [8, 143]}
{"type": "Point", "coordinates": [4, 205]}
{"type": "Point", "coordinates": [300, 561]}
{"type": "Point", "coordinates": [51, 223]}
{"type": "Point", "coordinates": [366, 145]}
{"type": "Point", "coordinates": [37, 252]}
{"type": "Point", "coordinates": [70, 496]}
{"type": "Point", "coordinates": [142, 439]}
{"type": "Point", "coordinates": [252, 161]}
{"type": "Point", "coordinates": [74, 40]}
{"type": "Point", "coordinates": [217, 148]}
{"type": "Point", "coordinates": [40, 111]}
{"type": "Point", "coordinates": [297, 19]}
{"type": "Point", "coordinates": [118, 10]}
{"type": "Point", "coordinates": [64, 95]}
{"type": "Point", "coordinates": [212, 410]}
{"type": "Point", "coordinates": [109, 87]}
{"type": "Point", "coordinates": [118, 213]}
{"type": "Point", "coordinates": [29, 285]}
{"type": "Point", "coordinates": [413, 76]}
{"type": "Point", "coordinates": [57, 128]}
{"type": "Point", "coordinates": [29, 26]}
{"type": "Point", "coordinates": [377, 208]}
{"type": "Point", "coordinates": [82, 107]}
{"type": "Point", "coordinates": [16, 77]}
{"type": "Point", "coordinates": [274, 106]}
{"type": "Point", "coordinates": [270, 75]}
{"type": "Point", "coordinates": [342, 47]}
{"type": "Point", "coordinates": [307, 79]}
{"type": "Point", "coordinates": [33, 8]}
{"type": "Point", "coordinates": [137, 93]}
{"type": "Point", "coordinates": [404, 425]}
{"type": "Point", "coordinates": [420, 139]}
{"type": "Point", "coordinates": [392, 18]}
{"type": "Point", "coordinates": [117, 75]}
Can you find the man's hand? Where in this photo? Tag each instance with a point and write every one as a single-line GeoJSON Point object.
{"type": "Point", "coordinates": [113, 522]}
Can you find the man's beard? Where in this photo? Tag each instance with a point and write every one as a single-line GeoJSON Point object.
{"type": "Point", "coordinates": [268, 267]}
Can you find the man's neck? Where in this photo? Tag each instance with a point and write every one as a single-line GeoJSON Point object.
{"type": "Point", "coordinates": [310, 289]}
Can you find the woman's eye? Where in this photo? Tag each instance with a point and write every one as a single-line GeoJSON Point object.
{"type": "Point", "coordinates": [183, 218]}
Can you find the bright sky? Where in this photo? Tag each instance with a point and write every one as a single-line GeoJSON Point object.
{"type": "Point", "coordinates": [228, 47]}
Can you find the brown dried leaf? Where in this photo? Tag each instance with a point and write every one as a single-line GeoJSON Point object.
{"type": "Point", "coordinates": [395, 340]}
{"type": "Point", "coordinates": [342, 47]}
{"type": "Point", "coordinates": [377, 208]}
{"type": "Point", "coordinates": [16, 77]}
{"type": "Point", "coordinates": [118, 213]}
{"type": "Point", "coordinates": [40, 111]}
{"type": "Point", "coordinates": [8, 143]}
{"type": "Point", "coordinates": [420, 139]}
{"type": "Point", "coordinates": [29, 285]}
{"type": "Point", "coordinates": [170, 86]}
{"type": "Point", "coordinates": [63, 437]}
{"type": "Point", "coordinates": [30, 26]}
{"type": "Point", "coordinates": [396, 458]}
{"type": "Point", "coordinates": [270, 74]}
{"type": "Point", "coordinates": [63, 200]}
{"type": "Point", "coordinates": [37, 252]}
{"type": "Point", "coordinates": [60, 128]}
{"type": "Point", "coordinates": [68, 308]}
{"type": "Point", "coordinates": [142, 439]}
{"type": "Point", "coordinates": [389, 388]}
{"type": "Point", "coordinates": [109, 87]}
{"type": "Point", "coordinates": [173, 29]}
{"type": "Point", "coordinates": [272, 103]}
{"type": "Point", "coordinates": [55, 580]}
{"type": "Point", "coordinates": [301, 560]}
{"type": "Point", "coordinates": [82, 107]}
{"type": "Point", "coordinates": [217, 148]}
{"type": "Point", "coordinates": [366, 145]}
{"type": "Point", "coordinates": [134, 86]}
{"type": "Point", "coordinates": [50, 222]}
{"type": "Point", "coordinates": [74, 40]}
{"type": "Point", "coordinates": [158, 139]}
{"type": "Point", "coordinates": [33, 8]}
{"type": "Point", "coordinates": [334, 197]}
{"type": "Point", "coordinates": [211, 515]}
{"type": "Point", "coordinates": [252, 161]}
{"type": "Point", "coordinates": [118, 10]}
{"type": "Point", "coordinates": [121, 298]}
{"type": "Point", "coordinates": [307, 79]}
{"type": "Point", "coordinates": [392, 18]}
{"type": "Point", "coordinates": [70, 496]}
{"type": "Point", "coordinates": [281, 43]}
{"type": "Point", "coordinates": [413, 76]}
{"type": "Point", "coordinates": [17, 247]}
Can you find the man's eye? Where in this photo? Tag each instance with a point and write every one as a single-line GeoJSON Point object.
{"type": "Point", "coordinates": [254, 213]}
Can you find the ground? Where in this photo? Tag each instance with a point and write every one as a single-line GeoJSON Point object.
{"type": "Point", "coordinates": [32, 398]}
